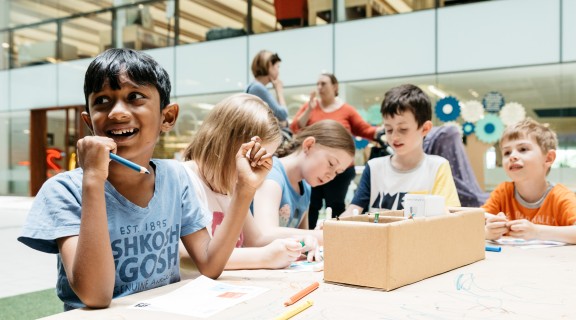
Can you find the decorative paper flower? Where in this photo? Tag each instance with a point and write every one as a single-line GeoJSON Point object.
{"type": "Point", "coordinates": [493, 101]}
{"type": "Point", "coordinates": [468, 128]}
{"type": "Point", "coordinates": [512, 112]}
{"type": "Point", "coordinates": [360, 143]}
{"type": "Point", "coordinates": [472, 110]}
{"type": "Point", "coordinates": [489, 129]}
{"type": "Point", "coordinates": [456, 125]}
{"type": "Point", "coordinates": [447, 109]}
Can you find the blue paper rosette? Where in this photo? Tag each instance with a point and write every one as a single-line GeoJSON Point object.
{"type": "Point", "coordinates": [493, 101]}
{"type": "Point", "coordinates": [489, 129]}
{"type": "Point", "coordinates": [468, 128]}
{"type": "Point", "coordinates": [447, 109]}
{"type": "Point", "coordinates": [360, 143]}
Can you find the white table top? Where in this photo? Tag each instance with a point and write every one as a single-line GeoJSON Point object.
{"type": "Point", "coordinates": [513, 284]}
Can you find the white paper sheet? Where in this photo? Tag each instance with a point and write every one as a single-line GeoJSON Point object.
{"type": "Point", "coordinates": [305, 266]}
{"type": "Point", "coordinates": [202, 298]}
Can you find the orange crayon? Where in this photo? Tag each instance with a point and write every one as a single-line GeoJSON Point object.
{"type": "Point", "coordinates": [302, 293]}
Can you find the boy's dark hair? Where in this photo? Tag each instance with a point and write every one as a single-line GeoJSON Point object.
{"type": "Point", "coordinates": [139, 66]}
{"type": "Point", "coordinates": [407, 97]}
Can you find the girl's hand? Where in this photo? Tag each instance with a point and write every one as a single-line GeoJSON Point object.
{"type": "Point", "coordinates": [311, 248]}
{"type": "Point", "coordinates": [523, 229]}
{"type": "Point", "coordinates": [94, 155]}
{"type": "Point", "coordinates": [496, 226]}
{"type": "Point", "coordinates": [280, 253]}
{"type": "Point", "coordinates": [253, 163]}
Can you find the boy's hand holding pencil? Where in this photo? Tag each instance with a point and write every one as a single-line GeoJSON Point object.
{"type": "Point", "coordinates": [93, 155]}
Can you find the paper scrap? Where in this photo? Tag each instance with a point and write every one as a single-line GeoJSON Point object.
{"type": "Point", "coordinates": [304, 265]}
{"type": "Point", "coordinates": [202, 298]}
{"type": "Point", "coordinates": [528, 244]}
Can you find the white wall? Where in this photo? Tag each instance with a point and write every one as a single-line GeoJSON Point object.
{"type": "Point", "coordinates": [33, 87]}
{"type": "Point", "coordinates": [211, 67]}
{"type": "Point", "coordinates": [569, 30]}
{"type": "Point", "coordinates": [4, 90]}
{"type": "Point", "coordinates": [498, 34]}
{"type": "Point", "coordinates": [305, 53]}
{"type": "Point", "coordinates": [384, 47]}
{"type": "Point", "coordinates": [71, 82]}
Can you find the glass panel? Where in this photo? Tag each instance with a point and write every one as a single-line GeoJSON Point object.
{"type": "Point", "coordinates": [144, 27]}
{"type": "Point", "coordinates": [26, 12]}
{"type": "Point", "coordinates": [17, 178]}
{"type": "Point", "coordinates": [5, 50]}
{"type": "Point", "coordinates": [35, 45]}
{"type": "Point", "coordinates": [85, 37]}
{"type": "Point", "coordinates": [56, 142]}
{"type": "Point", "coordinates": [211, 20]}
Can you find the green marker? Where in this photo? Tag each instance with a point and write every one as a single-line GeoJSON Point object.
{"type": "Point", "coordinates": [302, 243]}
{"type": "Point", "coordinates": [376, 215]}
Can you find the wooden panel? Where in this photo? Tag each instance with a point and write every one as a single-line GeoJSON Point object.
{"type": "Point", "coordinates": [37, 150]}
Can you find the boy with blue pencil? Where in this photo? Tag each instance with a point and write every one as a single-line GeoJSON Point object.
{"type": "Point", "coordinates": [530, 207]}
{"type": "Point", "coordinates": [117, 231]}
{"type": "Point", "coordinates": [407, 114]}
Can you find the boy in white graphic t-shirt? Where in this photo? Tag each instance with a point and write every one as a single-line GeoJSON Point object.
{"type": "Point", "coordinates": [407, 115]}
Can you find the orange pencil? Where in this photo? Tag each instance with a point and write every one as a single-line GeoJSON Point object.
{"type": "Point", "coordinates": [302, 293]}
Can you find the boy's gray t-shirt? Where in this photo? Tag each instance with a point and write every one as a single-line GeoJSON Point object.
{"type": "Point", "coordinates": [144, 240]}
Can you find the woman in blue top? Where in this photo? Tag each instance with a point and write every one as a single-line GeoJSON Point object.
{"type": "Point", "coordinates": [266, 69]}
{"type": "Point", "coordinates": [316, 155]}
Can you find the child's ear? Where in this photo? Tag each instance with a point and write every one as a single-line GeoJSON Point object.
{"type": "Point", "coordinates": [550, 157]}
{"type": "Point", "coordinates": [86, 117]}
{"type": "Point", "coordinates": [170, 114]}
{"type": "Point", "coordinates": [308, 143]}
{"type": "Point", "coordinates": [426, 127]}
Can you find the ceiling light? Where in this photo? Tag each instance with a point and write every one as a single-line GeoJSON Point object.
{"type": "Point", "coordinates": [473, 93]}
{"type": "Point", "coordinates": [437, 91]}
{"type": "Point", "coordinates": [5, 45]}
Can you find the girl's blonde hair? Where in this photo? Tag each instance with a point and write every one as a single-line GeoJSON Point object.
{"type": "Point", "coordinates": [232, 122]}
{"type": "Point", "coordinates": [328, 133]}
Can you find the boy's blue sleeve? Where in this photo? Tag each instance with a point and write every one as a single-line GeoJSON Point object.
{"type": "Point", "coordinates": [362, 195]}
{"type": "Point", "coordinates": [55, 213]}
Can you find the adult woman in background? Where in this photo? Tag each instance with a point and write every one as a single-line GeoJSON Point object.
{"type": "Point", "coordinates": [324, 104]}
{"type": "Point", "coordinates": [266, 69]}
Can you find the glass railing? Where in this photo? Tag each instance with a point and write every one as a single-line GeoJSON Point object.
{"type": "Point", "coordinates": [35, 32]}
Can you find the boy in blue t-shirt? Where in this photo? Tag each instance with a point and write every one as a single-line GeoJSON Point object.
{"type": "Point", "coordinates": [115, 230]}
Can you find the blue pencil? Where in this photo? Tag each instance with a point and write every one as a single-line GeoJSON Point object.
{"type": "Point", "coordinates": [128, 163]}
{"type": "Point", "coordinates": [493, 249]}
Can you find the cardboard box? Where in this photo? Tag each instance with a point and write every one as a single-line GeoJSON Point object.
{"type": "Point", "coordinates": [397, 251]}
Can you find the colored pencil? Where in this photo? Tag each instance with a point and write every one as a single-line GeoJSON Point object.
{"type": "Point", "coordinates": [128, 163]}
{"type": "Point", "coordinates": [302, 293]}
